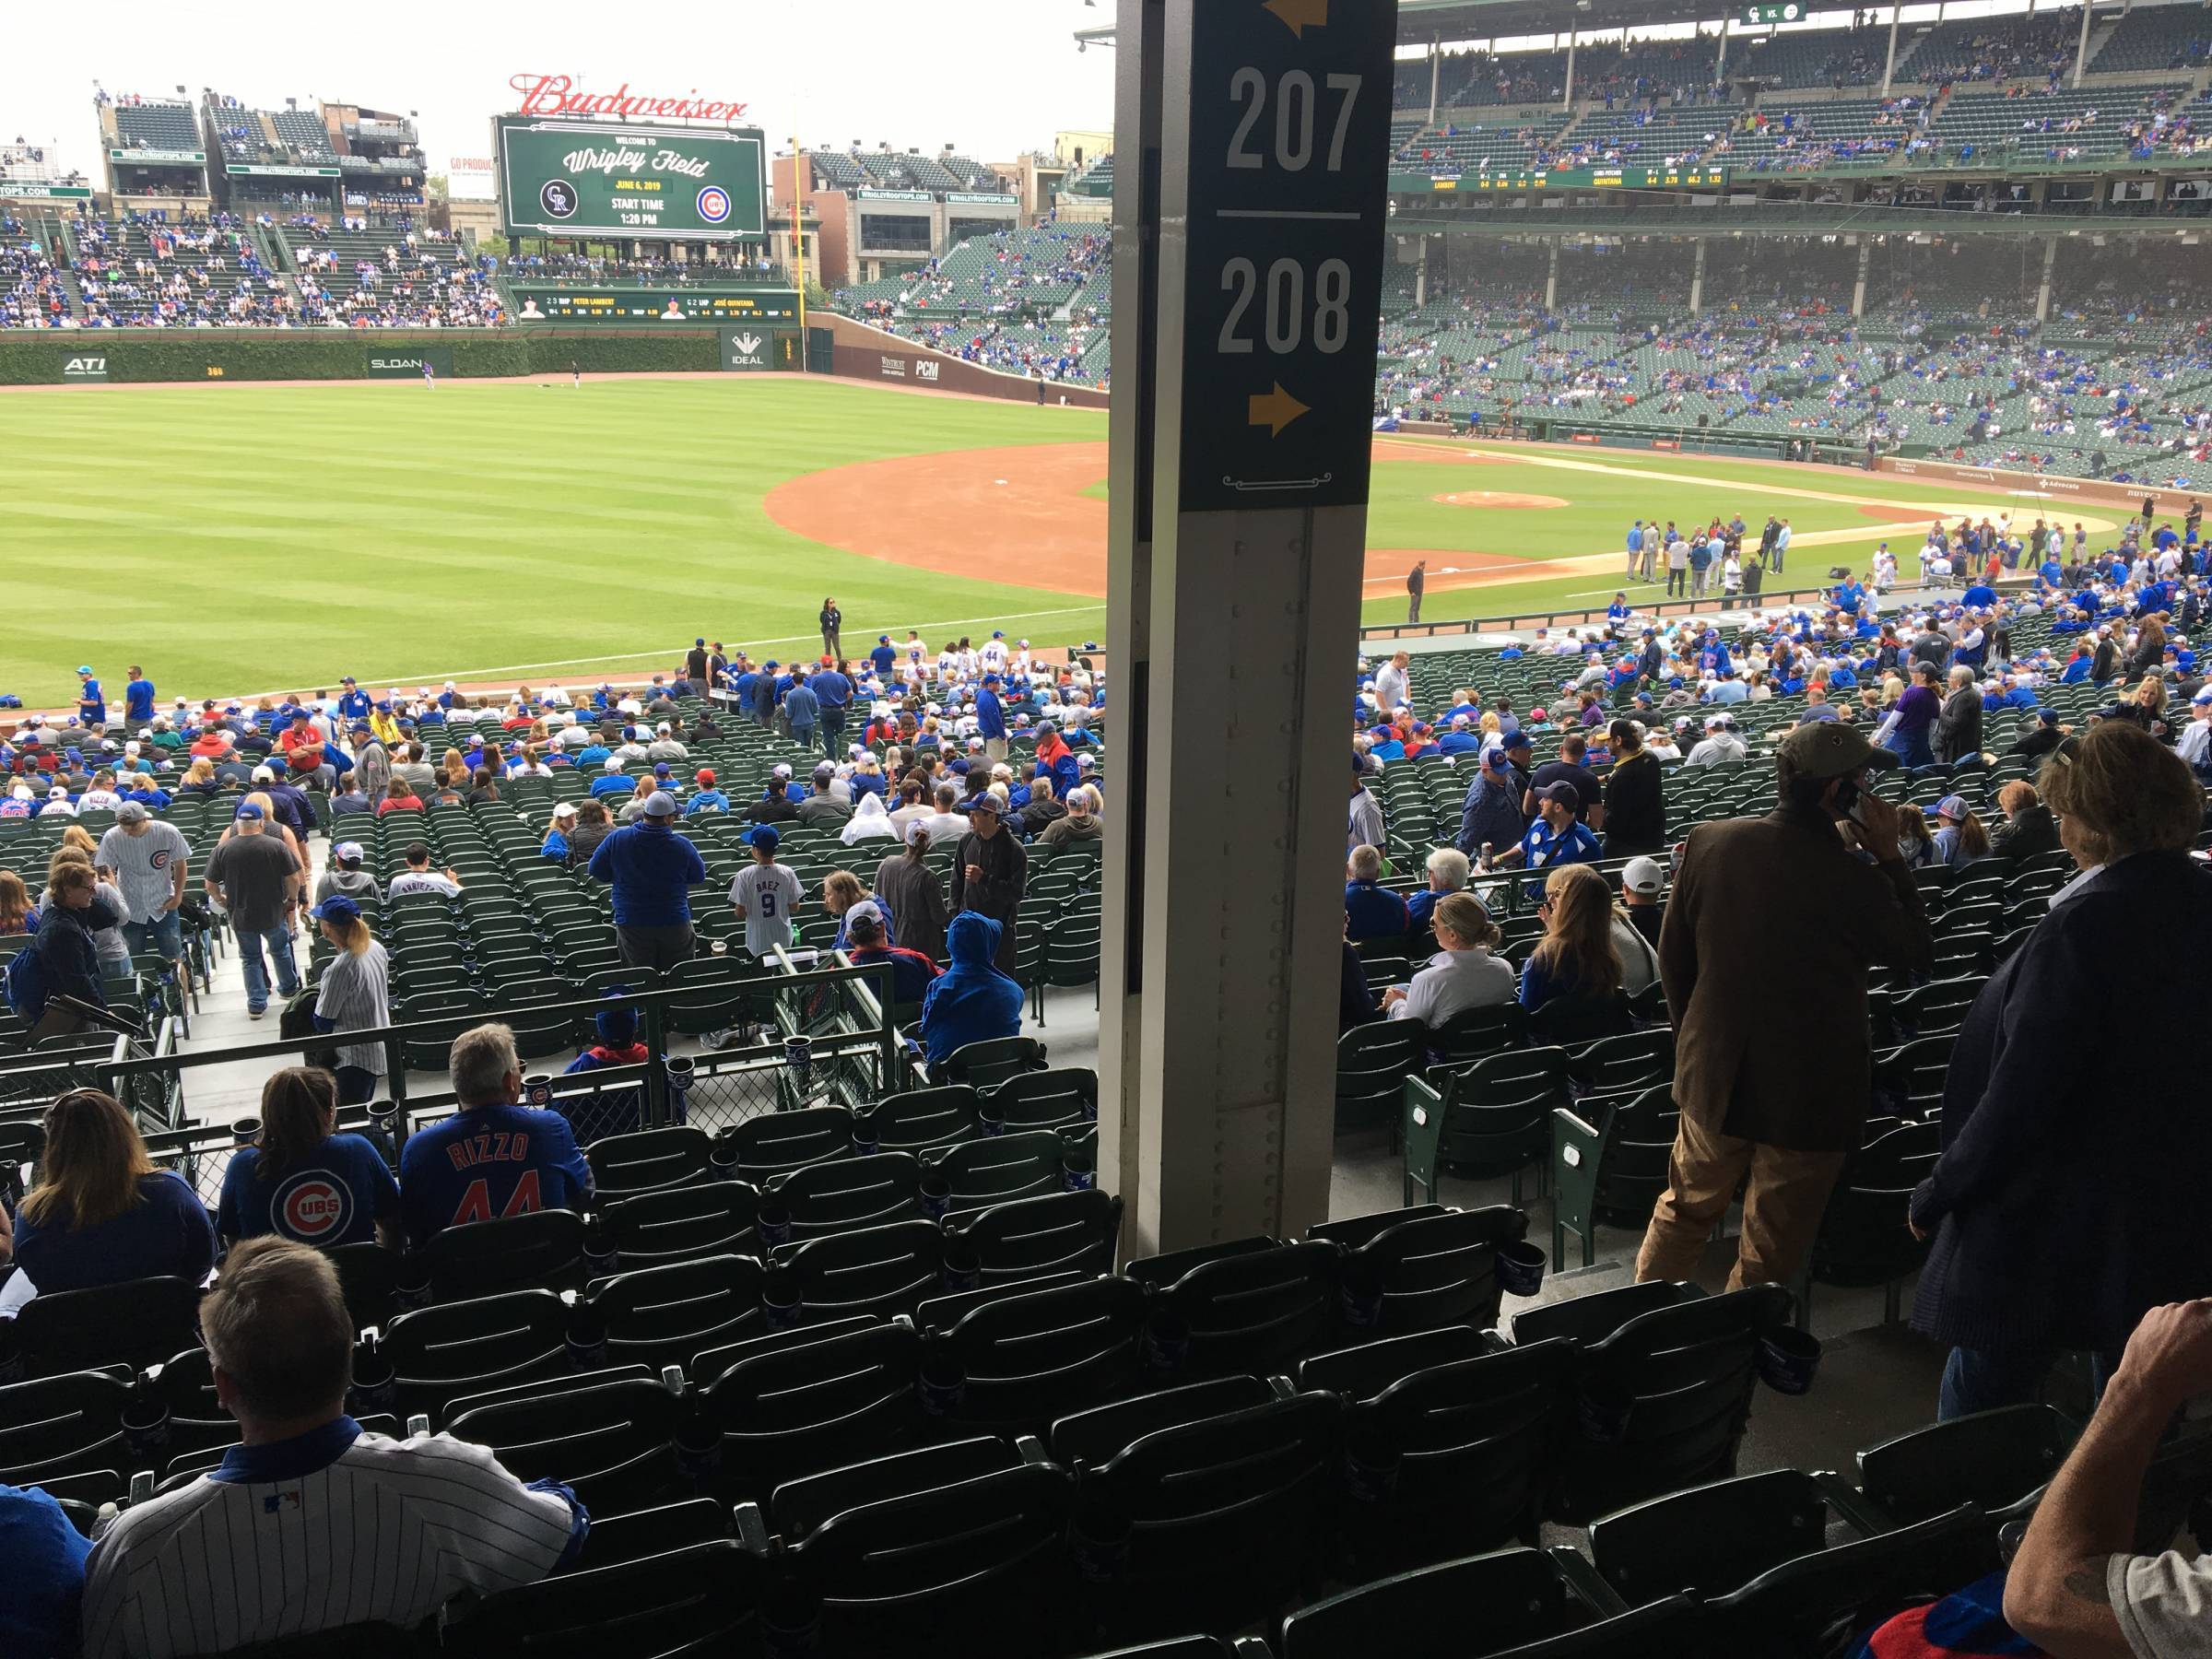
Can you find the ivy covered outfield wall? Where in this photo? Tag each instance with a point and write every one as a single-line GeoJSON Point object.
{"type": "Point", "coordinates": [52, 357]}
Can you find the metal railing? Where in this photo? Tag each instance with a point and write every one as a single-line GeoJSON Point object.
{"type": "Point", "coordinates": [841, 1007]}
{"type": "Point", "coordinates": [1711, 604]}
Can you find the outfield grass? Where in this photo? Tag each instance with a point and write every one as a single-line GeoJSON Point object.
{"type": "Point", "coordinates": [261, 538]}
{"type": "Point", "coordinates": [246, 538]}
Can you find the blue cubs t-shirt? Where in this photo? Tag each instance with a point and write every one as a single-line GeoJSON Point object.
{"type": "Point", "coordinates": [336, 1196]}
{"type": "Point", "coordinates": [487, 1162]}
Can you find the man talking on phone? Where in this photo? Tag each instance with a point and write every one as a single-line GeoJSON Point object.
{"type": "Point", "coordinates": [1772, 1069]}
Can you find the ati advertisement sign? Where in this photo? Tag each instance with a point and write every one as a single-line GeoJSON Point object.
{"type": "Point", "coordinates": [408, 365]}
{"type": "Point", "coordinates": [761, 351]}
{"type": "Point", "coordinates": [85, 366]}
{"type": "Point", "coordinates": [550, 304]}
{"type": "Point", "coordinates": [595, 178]}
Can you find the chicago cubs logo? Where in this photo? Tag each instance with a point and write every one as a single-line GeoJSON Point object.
{"type": "Point", "coordinates": [713, 204]}
{"type": "Point", "coordinates": [161, 860]}
{"type": "Point", "coordinates": [312, 1207]}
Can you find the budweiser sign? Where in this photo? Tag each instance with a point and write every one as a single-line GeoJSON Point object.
{"type": "Point", "coordinates": [559, 95]}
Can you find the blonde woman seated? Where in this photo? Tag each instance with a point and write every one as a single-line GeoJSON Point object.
{"type": "Point", "coordinates": [1463, 974]}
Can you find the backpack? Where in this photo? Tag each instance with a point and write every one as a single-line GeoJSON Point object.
{"type": "Point", "coordinates": [26, 983]}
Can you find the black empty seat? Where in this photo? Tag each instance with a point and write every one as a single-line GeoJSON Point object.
{"type": "Point", "coordinates": [873, 1270]}
{"type": "Point", "coordinates": [715, 1218]}
{"type": "Point", "coordinates": [1210, 1525]}
{"type": "Point", "coordinates": [1029, 1237]}
{"type": "Point", "coordinates": [698, 1601]}
{"type": "Point", "coordinates": [1995, 1459]}
{"type": "Point", "coordinates": [845, 1193]}
{"type": "Point", "coordinates": [986, 1064]}
{"type": "Point", "coordinates": [614, 1441]}
{"type": "Point", "coordinates": [1063, 1097]}
{"type": "Point", "coordinates": [137, 1322]}
{"type": "Point", "coordinates": [797, 1402]}
{"type": "Point", "coordinates": [919, 1120]}
{"type": "Point", "coordinates": [1515, 1602]}
{"type": "Point", "coordinates": [62, 1425]}
{"type": "Point", "coordinates": [442, 1353]}
{"type": "Point", "coordinates": [1105, 1431]}
{"type": "Point", "coordinates": [1256, 1311]}
{"type": "Point", "coordinates": [774, 1142]}
{"type": "Point", "coordinates": [1711, 1540]}
{"type": "Point", "coordinates": [369, 1276]}
{"type": "Point", "coordinates": [660, 1316]}
{"type": "Point", "coordinates": [1864, 1239]}
{"type": "Point", "coordinates": [647, 1161]}
{"type": "Point", "coordinates": [1372, 1064]}
{"type": "Point", "coordinates": [1798, 1607]}
{"type": "Point", "coordinates": [1454, 1456]}
{"type": "Point", "coordinates": [975, 1567]}
{"type": "Point", "coordinates": [1673, 1387]}
{"type": "Point", "coordinates": [1430, 1266]}
{"type": "Point", "coordinates": [514, 1252]}
{"type": "Point", "coordinates": [1021, 1361]}
{"type": "Point", "coordinates": [974, 1173]}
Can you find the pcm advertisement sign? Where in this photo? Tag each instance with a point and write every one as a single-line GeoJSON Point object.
{"type": "Point", "coordinates": [564, 177]}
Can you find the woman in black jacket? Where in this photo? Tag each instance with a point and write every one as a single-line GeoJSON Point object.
{"type": "Point", "coordinates": [2064, 1208]}
{"type": "Point", "coordinates": [2027, 828]}
{"type": "Point", "coordinates": [68, 962]}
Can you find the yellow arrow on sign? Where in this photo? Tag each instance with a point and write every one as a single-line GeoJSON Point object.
{"type": "Point", "coordinates": [1299, 16]}
{"type": "Point", "coordinates": [1275, 410]}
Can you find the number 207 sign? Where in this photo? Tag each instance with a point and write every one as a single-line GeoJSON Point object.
{"type": "Point", "coordinates": [1289, 124]}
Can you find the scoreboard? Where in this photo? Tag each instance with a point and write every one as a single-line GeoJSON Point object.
{"type": "Point", "coordinates": [1573, 178]}
{"type": "Point", "coordinates": [629, 179]}
{"type": "Point", "coordinates": [549, 302]}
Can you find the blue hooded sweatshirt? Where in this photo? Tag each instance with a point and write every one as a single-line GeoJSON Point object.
{"type": "Point", "coordinates": [971, 1001]}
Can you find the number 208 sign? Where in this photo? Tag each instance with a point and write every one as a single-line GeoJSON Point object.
{"type": "Point", "coordinates": [1289, 124]}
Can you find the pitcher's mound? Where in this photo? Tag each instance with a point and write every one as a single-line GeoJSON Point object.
{"type": "Point", "coordinates": [1498, 498]}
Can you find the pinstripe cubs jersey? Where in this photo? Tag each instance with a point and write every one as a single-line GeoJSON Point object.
{"type": "Point", "coordinates": [335, 1527]}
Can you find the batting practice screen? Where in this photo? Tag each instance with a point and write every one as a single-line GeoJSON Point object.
{"type": "Point", "coordinates": [603, 178]}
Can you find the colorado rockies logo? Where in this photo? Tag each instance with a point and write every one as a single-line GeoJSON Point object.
{"type": "Point", "coordinates": [557, 197]}
{"type": "Point", "coordinates": [312, 1207]}
{"type": "Point", "coordinates": [713, 204]}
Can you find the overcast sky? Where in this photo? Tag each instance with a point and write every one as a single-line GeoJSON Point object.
{"type": "Point", "coordinates": [994, 76]}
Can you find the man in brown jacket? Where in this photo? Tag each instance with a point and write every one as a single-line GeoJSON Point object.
{"type": "Point", "coordinates": [1773, 1064]}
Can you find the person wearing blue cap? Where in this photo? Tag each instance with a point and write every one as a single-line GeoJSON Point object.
{"type": "Point", "coordinates": [92, 701]}
{"type": "Point", "coordinates": [991, 719]}
{"type": "Point", "coordinates": [355, 996]}
{"type": "Point", "coordinates": [652, 870]}
{"type": "Point", "coordinates": [1491, 812]}
{"type": "Point", "coordinates": [883, 658]}
{"type": "Point", "coordinates": [615, 1110]}
{"type": "Point", "coordinates": [764, 895]}
{"type": "Point", "coordinates": [255, 877]}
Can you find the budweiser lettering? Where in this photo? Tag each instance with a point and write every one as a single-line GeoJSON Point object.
{"type": "Point", "coordinates": [557, 95]}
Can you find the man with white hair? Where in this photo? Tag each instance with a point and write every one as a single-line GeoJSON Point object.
{"type": "Point", "coordinates": [1447, 869]}
{"type": "Point", "coordinates": [494, 1156]}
